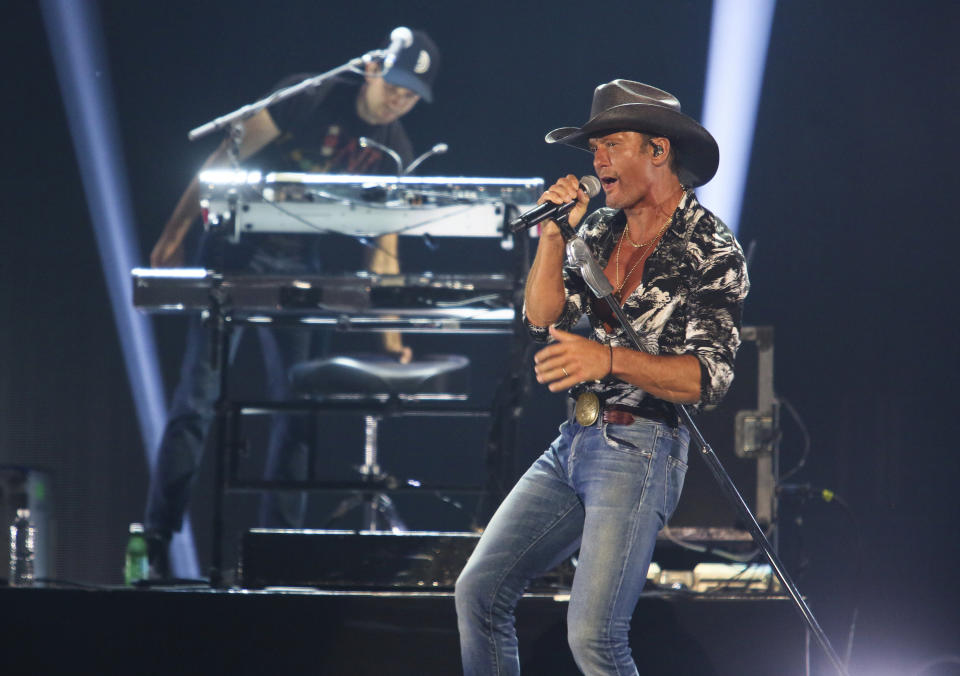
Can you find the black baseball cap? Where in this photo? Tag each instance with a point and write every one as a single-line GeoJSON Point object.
{"type": "Point", "coordinates": [416, 66]}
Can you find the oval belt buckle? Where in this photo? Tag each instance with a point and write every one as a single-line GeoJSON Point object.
{"type": "Point", "coordinates": [587, 408]}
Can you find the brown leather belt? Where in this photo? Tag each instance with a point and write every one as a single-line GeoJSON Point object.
{"type": "Point", "coordinates": [588, 410]}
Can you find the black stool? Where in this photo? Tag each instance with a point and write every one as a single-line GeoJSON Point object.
{"type": "Point", "coordinates": [384, 383]}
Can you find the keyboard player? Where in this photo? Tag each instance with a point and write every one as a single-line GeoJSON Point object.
{"type": "Point", "coordinates": [315, 131]}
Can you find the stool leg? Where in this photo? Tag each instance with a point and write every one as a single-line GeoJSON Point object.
{"type": "Point", "coordinates": [378, 508]}
{"type": "Point", "coordinates": [348, 503]}
{"type": "Point", "coordinates": [370, 468]}
{"type": "Point", "coordinates": [370, 427]}
{"type": "Point", "coordinates": [389, 512]}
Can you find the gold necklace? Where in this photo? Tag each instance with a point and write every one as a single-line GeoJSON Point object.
{"type": "Point", "coordinates": [641, 258]}
{"type": "Point", "coordinates": [646, 254]}
{"type": "Point", "coordinates": [626, 232]}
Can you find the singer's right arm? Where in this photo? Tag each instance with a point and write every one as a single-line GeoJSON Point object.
{"type": "Point", "coordinates": [259, 130]}
{"type": "Point", "coordinates": [544, 295]}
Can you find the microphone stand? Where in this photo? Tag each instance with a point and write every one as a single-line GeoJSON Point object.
{"type": "Point", "coordinates": [579, 256]}
{"type": "Point", "coordinates": [437, 149]}
{"type": "Point", "coordinates": [394, 155]}
{"type": "Point", "coordinates": [251, 109]}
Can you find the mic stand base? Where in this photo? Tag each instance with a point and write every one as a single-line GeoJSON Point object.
{"type": "Point", "coordinates": [579, 255]}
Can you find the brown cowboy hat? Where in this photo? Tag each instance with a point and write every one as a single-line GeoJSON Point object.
{"type": "Point", "coordinates": [624, 104]}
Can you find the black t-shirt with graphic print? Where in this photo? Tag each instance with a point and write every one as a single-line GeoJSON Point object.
{"type": "Point", "coordinates": [320, 131]}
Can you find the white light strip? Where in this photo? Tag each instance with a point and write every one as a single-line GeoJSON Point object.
{"type": "Point", "coordinates": [294, 177]}
{"type": "Point", "coordinates": [76, 45]}
{"type": "Point", "coordinates": [169, 273]}
{"type": "Point", "coordinates": [739, 36]}
{"type": "Point", "coordinates": [229, 176]}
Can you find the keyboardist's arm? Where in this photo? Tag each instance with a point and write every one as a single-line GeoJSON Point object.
{"type": "Point", "coordinates": [259, 130]}
{"type": "Point", "coordinates": [384, 260]}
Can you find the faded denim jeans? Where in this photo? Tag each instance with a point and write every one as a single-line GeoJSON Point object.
{"type": "Point", "coordinates": [605, 489]}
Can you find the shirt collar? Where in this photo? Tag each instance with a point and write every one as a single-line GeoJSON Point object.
{"type": "Point", "coordinates": [681, 220]}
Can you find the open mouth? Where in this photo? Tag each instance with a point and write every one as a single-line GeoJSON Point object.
{"type": "Point", "coordinates": [608, 182]}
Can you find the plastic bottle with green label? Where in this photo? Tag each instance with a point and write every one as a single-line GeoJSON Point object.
{"type": "Point", "coordinates": [137, 566]}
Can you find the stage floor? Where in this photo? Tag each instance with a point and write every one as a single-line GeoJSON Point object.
{"type": "Point", "coordinates": [197, 630]}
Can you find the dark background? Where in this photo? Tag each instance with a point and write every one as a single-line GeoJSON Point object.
{"type": "Point", "coordinates": [849, 200]}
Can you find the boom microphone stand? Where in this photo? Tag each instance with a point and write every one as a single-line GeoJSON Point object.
{"type": "Point", "coordinates": [578, 255]}
{"type": "Point", "coordinates": [399, 38]}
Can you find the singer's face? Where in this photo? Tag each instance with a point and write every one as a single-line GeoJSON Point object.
{"type": "Point", "coordinates": [381, 102]}
{"type": "Point", "coordinates": [622, 162]}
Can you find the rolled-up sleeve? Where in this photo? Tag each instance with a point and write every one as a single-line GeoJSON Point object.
{"type": "Point", "coordinates": [715, 308]}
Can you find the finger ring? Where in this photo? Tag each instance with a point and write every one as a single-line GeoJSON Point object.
{"type": "Point", "coordinates": [565, 372]}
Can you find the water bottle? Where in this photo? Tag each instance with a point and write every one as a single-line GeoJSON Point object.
{"type": "Point", "coordinates": [22, 542]}
{"type": "Point", "coordinates": [137, 566]}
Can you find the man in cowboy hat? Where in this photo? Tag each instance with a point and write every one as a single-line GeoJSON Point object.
{"type": "Point", "coordinates": [612, 478]}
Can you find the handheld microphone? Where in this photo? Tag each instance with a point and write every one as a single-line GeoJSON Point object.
{"type": "Point", "coordinates": [401, 37]}
{"type": "Point", "coordinates": [542, 212]}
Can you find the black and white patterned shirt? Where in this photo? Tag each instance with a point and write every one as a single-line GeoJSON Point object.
{"type": "Point", "coordinates": [689, 301]}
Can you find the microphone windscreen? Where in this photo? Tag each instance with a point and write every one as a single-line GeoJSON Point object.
{"type": "Point", "coordinates": [590, 185]}
{"type": "Point", "coordinates": [401, 35]}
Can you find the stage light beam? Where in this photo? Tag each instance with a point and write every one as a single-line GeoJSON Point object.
{"type": "Point", "coordinates": [76, 44]}
{"type": "Point", "coordinates": [739, 37]}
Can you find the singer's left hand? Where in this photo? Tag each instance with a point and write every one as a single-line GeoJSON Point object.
{"type": "Point", "coordinates": [572, 359]}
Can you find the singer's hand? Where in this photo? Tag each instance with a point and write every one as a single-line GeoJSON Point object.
{"type": "Point", "coordinates": [564, 190]}
{"type": "Point", "coordinates": [571, 360]}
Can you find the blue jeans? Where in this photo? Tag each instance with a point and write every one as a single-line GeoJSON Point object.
{"type": "Point", "coordinates": [192, 409]}
{"type": "Point", "coordinates": [605, 489]}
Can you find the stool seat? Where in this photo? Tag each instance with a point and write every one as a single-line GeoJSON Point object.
{"type": "Point", "coordinates": [384, 379]}
{"type": "Point", "coordinates": [378, 375]}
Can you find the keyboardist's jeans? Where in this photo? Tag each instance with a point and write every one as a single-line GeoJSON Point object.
{"type": "Point", "coordinates": [607, 489]}
{"type": "Point", "coordinates": [192, 409]}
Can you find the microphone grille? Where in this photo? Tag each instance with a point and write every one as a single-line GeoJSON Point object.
{"type": "Point", "coordinates": [403, 35]}
{"type": "Point", "coordinates": [590, 185]}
